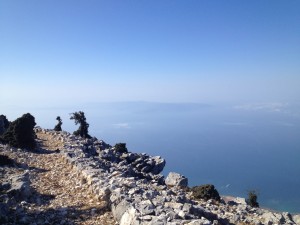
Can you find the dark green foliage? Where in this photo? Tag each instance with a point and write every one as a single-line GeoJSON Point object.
{"type": "Point", "coordinates": [58, 125]}
{"type": "Point", "coordinates": [79, 118]}
{"type": "Point", "coordinates": [121, 147]}
{"type": "Point", "coordinates": [20, 132]}
{"type": "Point", "coordinates": [4, 124]}
{"type": "Point", "coordinates": [6, 161]}
{"type": "Point", "coordinates": [252, 198]}
{"type": "Point", "coordinates": [206, 192]}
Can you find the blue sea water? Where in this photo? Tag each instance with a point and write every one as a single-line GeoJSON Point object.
{"type": "Point", "coordinates": [235, 147]}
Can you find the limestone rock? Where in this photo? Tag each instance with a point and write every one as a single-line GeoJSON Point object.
{"type": "Point", "coordinates": [176, 179]}
{"type": "Point", "coordinates": [119, 209]}
{"type": "Point", "coordinates": [159, 164]}
{"type": "Point", "coordinates": [129, 217]}
{"type": "Point", "coordinates": [20, 187]}
{"type": "Point", "coordinates": [296, 219]}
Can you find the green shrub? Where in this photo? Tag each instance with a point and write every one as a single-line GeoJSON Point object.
{"type": "Point", "coordinates": [205, 192]}
{"type": "Point", "coordinates": [121, 147]}
{"type": "Point", "coordinates": [252, 198]}
{"type": "Point", "coordinates": [20, 132]}
{"type": "Point", "coordinates": [80, 119]}
{"type": "Point", "coordinates": [58, 125]}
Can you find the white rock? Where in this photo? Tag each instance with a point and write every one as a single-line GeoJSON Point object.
{"type": "Point", "coordinates": [176, 179]}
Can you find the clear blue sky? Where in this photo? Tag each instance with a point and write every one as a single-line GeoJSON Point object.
{"type": "Point", "coordinates": [169, 51]}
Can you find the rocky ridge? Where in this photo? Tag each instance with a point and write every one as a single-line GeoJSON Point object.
{"type": "Point", "coordinates": [131, 187]}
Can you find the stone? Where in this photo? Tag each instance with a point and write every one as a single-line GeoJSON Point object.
{"type": "Point", "coordinates": [118, 210]}
{"type": "Point", "coordinates": [159, 164]}
{"type": "Point", "coordinates": [20, 187]}
{"type": "Point", "coordinates": [171, 215]}
{"type": "Point", "coordinates": [296, 219]}
{"type": "Point", "coordinates": [176, 179]}
{"type": "Point", "coordinates": [104, 193]}
{"type": "Point", "coordinates": [196, 222]}
{"type": "Point", "coordinates": [159, 220]}
{"type": "Point", "coordinates": [273, 218]}
{"type": "Point", "coordinates": [174, 205]}
{"type": "Point", "coordinates": [241, 201]}
{"type": "Point", "coordinates": [146, 218]}
{"type": "Point", "coordinates": [130, 217]}
{"type": "Point", "coordinates": [146, 208]}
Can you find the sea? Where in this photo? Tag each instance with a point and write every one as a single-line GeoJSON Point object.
{"type": "Point", "coordinates": [235, 147]}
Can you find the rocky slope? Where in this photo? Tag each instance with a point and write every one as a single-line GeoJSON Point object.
{"type": "Point", "coordinates": [70, 180]}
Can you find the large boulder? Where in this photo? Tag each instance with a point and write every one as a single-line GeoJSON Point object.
{"type": "Point", "coordinates": [176, 179]}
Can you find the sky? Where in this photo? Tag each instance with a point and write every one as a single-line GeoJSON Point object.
{"type": "Point", "coordinates": [67, 52]}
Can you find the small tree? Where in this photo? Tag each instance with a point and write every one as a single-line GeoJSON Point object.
{"type": "Point", "coordinates": [252, 198]}
{"type": "Point", "coordinates": [79, 118]}
{"type": "Point", "coordinates": [121, 147]}
{"type": "Point", "coordinates": [58, 125]}
{"type": "Point", "coordinates": [20, 132]}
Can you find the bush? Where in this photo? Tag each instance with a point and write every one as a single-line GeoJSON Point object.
{"type": "Point", "coordinates": [252, 198]}
{"type": "Point", "coordinates": [4, 124]}
{"type": "Point", "coordinates": [58, 125]}
{"type": "Point", "coordinates": [20, 132]}
{"type": "Point", "coordinates": [121, 147]}
{"type": "Point", "coordinates": [79, 118]}
{"type": "Point", "coordinates": [206, 192]}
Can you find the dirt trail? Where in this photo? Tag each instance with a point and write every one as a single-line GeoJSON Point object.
{"type": "Point", "coordinates": [59, 195]}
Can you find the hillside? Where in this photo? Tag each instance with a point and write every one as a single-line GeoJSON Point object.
{"type": "Point", "coordinates": [70, 180]}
